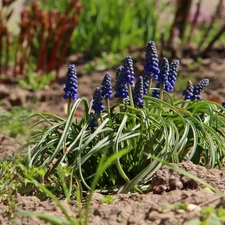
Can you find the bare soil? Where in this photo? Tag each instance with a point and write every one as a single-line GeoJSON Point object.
{"type": "Point", "coordinates": [130, 208]}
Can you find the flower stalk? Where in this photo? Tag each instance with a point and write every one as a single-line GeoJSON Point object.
{"type": "Point", "coordinates": [71, 87]}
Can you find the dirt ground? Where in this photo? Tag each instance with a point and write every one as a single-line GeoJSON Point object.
{"type": "Point", "coordinates": [138, 209]}
{"type": "Point", "coordinates": [127, 208]}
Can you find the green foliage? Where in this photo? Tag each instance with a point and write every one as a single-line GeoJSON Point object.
{"type": "Point", "coordinates": [171, 131]}
{"type": "Point", "coordinates": [114, 25]}
{"type": "Point", "coordinates": [10, 182]}
{"type": "Point", "coordinates": [108, 199]}
{"type": "Point", "coordinates": [60, 5]}
{"type": "Point", "coordinates": [209, 216]}
{"type": "Point", "coordinates": [70, 220]}
{"type": "Point", "coordinates": [176, 206]}
{"type": "Point", "coordinates": [34, 81]}
{"type": "Point", "coordinates": [14, 122]}
{"type": "Point", "coordinates": [15, 177]}
{"type": "Point", "coordinates": [103, 62]}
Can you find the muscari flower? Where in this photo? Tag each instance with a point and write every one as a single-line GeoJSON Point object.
{"type": "Point", "coordinates": [97, 101]}
{"type": "Point", "coordinates": [163, 77]}
{"type": "Point", "coordinates": [71, 83]}
{"type": "Point", "coordinates": [151, 66]}
{"type": "Point", "coordinates": [188, 93]}
{"type": "Point", "coordinates": [198, 88]}
{"type": "Point", "coordinates": [128, 72]}
{"type": "Point", "coordinates": [120, 87]}
{"type": "Point", "coordinates": [106, 86]}
{"type": "Point", "coordinates": [138, 92]}
{"type": "Point", "coordinates": [172, 75]}
{"type": "Point", "coordinates": [164, 72]}
{"type": "Point", "coordinates": [193, 92]}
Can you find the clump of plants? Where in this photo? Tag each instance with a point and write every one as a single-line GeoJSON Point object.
{"type": "Point", "coordinates": [125, 143]}
{"type": "Point", "coordinates": [42, 42]}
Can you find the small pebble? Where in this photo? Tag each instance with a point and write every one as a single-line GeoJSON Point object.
{"type": "Point", "coordinates": [193, 207]}
{"type": "Point", "coordinates": [159, 189]}
{"type": "Point", "coordinates": [176, 185]}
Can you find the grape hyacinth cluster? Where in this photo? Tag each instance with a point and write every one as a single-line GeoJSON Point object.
{"type": "Point", "coordinates": [106, 86]}
{"type": "Point", "coordinates": [130, 92]}
{"type": "Point", "coordinates": [97, 105]}
{"type": "Point", "coordinates": [151, 66]}
{"type": "Point", "coordinates": [193, 92]}
{"type": "Point", "coordinates": [198, 88]}
{"type": "Point", "coordinates": [121, 88]}
{"type": "Point", "coordinates": [71, 83]}
{"type": "Point", "coordinates": [128, 72]}
{"type": "Point", "coordinates": [163, 77]}
{"type": "Point", "coordinates": [164, 72]}
{"type": "Point", "coordinates": [138, 92]}
{"type": "Point", "coordinates": [173, 71]}
{"type": "Point", "coordinates": [124, 77]}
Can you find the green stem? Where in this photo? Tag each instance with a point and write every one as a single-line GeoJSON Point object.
{"type": "Point", "coordinates": [150, 85]}
{"type": "Point", "coordinates": [149, 90]}
{"type": "Point", "coordinates": [101, 118]}
{"type": "Point", "coordinates": [108, 107]}
{"type": "Point", "coordinates": [161, 91]}
{"type": "Point", "coordinates": [108, 111]}
{"type": "Point", "coordinates": [130, 95]}
{"type": "Point", "coordinates": [131, 102]}
{"type": "Point", "coordinates": [69, 106]}
{"type": "Point", "coordinates": [161, 96]}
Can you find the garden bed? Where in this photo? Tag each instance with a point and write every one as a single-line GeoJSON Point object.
{"type": "Point", "coordinates": [167, 208]}
{"type": "Point", "coordinates": [127, 208]}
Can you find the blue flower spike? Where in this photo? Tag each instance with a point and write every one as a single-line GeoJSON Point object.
{"type": "Point", "coordinates": [107, 90]}
{"type": "Point", "coordinates": [164, 72]}
{"type": "Point", "coordinates": [97, 101]}
{"type": "Point", "coordinates": [194, 92]}
{"type": "Point", "coordinates": [106, 86]}
{"type": "Point", "coordinates": [199, 87]}
{"type": "Point", "coordinates": [188, 93]}
{"type": "Point", "coordinates": [162, 79]}
{"type": "Point", "coordinates": [71, 86]}
{"type": "Point", "coordinates": [151, 66]}
{"type": "Point", "coordinates": [71, 83]}
{"type": "Point", "coordinates": [120, 87]}
{"type": "Point", "coordinates": [128, 72]}
{"type": "Point", "coordinates": [173, 71]}
{"type": "Point", "coordinates": [128, 78]}
{"type": "Point", "coordinates": [138, 92]}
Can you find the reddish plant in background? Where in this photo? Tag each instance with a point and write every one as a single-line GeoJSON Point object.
{"type": "Point", "coordinates": [5, 36]}
{"type": "Point", "coordinates": [44, 37]}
